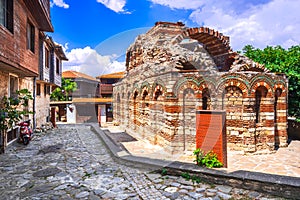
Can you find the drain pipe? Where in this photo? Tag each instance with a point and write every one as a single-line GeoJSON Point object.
{"type": "Point", "coordinates": [34, 102]}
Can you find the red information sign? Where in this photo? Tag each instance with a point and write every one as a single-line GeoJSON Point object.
{"type": "Point", "coordinates": [211, 133]}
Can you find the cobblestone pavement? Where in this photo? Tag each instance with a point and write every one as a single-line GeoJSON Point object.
{"type": "Point", "coordinates": [72, 163]}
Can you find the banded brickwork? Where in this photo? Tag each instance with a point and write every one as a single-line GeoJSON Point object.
{"type": "Point", "coordinates": [170, 76]}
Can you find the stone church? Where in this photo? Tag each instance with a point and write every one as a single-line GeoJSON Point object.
{"type": "Point", "coordinates": [173, 70]}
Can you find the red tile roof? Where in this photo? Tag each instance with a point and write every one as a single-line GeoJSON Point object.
{"type": "Point", "coordinates": [112, 75]}
{"type": "Point", "coordinates": [74, 74]}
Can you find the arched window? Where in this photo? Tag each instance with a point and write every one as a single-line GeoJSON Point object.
{"type": "Point", "coordinates": [205, 100]}
{"type": "Point", "coordinates": [189, 118]}
{"type": "Point", "coordinates": [157, 94]}
{"type": "Point", "coordinates": [135, 104]}
{"type": "Point", "coordinates": [278, 93]}
{"type": "Point", "coordinates": [260, 93]}
{"type": "Point", "coordinates": [145, 104]}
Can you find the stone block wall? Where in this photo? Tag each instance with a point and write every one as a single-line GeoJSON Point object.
{"type": "Point", "coordinates": [42, 106]}
{"type": "Point", "coordinates": [4, 77]}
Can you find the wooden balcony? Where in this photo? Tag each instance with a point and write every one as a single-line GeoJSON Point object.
{"type": "Point", "coordinates": [40, 9]}
{"type": "Point", "coordinates": [106, 89]}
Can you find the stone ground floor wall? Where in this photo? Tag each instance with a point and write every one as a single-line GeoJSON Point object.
{"type": "Point", "coordinates": [164, 112]}
{"type": "Point", "coordinates": [6, 88]}
{"type": "Point", "coordinates": [42, 106]}
{"type": "Point", "coordinates": [3, 84]}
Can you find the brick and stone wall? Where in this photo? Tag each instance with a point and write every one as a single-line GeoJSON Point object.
{"type": "Point", "coordinates": [171, 74]}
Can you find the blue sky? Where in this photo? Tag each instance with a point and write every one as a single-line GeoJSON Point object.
{"type": "Point", "coordinates": [96, 33]}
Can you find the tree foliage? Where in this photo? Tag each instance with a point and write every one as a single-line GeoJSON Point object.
{"type": "Point", "coordinates": [12, 109]}
{"type": "Point", "coordinates": [278, 59]}
{"type": "Point", "coordinates": [62, 93]}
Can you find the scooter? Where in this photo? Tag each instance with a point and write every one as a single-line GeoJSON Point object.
{"type": "Point", "coordinates": [25, 132]}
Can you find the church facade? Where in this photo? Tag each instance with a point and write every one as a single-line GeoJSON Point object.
{"type": "Point", "coordinates": [172, 71]}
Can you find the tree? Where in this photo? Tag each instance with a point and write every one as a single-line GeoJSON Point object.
{"type": "Point", "coordinates": [62, 93]}
{"type": "Point", "coordinates": [278, 59]}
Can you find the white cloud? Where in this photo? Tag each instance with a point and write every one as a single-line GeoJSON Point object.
{"type": "Point", "coordinates": [259, 23]}
{"type": "Point", "coordinates": [88, 61]}
{"type": "Point", "coordinates": [115, 5]}
{"type": "Point", "coordinates": [60, 3]}
{"type": "Point", "coordinates": [180, 4]}
{"type": "Point", "coordinates": [272, 23]}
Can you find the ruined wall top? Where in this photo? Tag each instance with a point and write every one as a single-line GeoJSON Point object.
{"type": "Point", "coordinates": [181, 47]}
{"type": "Point", "coordinates": [167, 28]}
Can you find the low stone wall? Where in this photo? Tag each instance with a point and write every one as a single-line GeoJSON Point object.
{"type": "Point", "coordinates": [281, 186]}
{"type": "Point", "coordinates": [293, 129]}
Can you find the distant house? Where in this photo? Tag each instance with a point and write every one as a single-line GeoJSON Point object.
{"type": "Point", "coordinates": [92, 101]}
{"type": "Point", "coordinates": [83, 99]}
{"type": "Point", "coordinates": [106, 92]}
{"type": "Point", "coordinates": [21, 23]}
{"type": "Point", "coordinates": [50, 73]}
{"type": "Point", "coordinates": [87, 86]}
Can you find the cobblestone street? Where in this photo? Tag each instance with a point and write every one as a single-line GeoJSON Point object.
{"type": "Point", "coordinates": [71, 162]}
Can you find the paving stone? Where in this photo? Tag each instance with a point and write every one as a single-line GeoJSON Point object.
{"type": "Point", "coordinates": [187, 198]}
{"type": "Point", "coordinates": [187, 187]}
{"type": "Point", "coordinates": [210, 194]}
{"type": "Point", "coordinates": [174, 195]}
{"type": "Point", "coordinates": [253, 194]}
{"type": "Point", "coordinates": [195, 195]}
{"type": "Point", "coordinates": [212, 190]}
{"type": "Point", "coordinates": [167, 194]}
{"type": "Point", "coordinates": [200, 190]}
{"type": "Point", "coordinates": [238, 191]}
{"type": "Point", "coordinates": [224, 188]}
{"type": "Point", "coordinates": [223, 195]}
{"type": "Point", "coordinates": [153, 177]}
{"type": "Point", "coordinates": [51, 148]}
{"type": "Point", "coordinates": [61, 187]}
{"type": "Point", "coordinates": [183, 191]}
{"type": "Point", "coordinates": [93, 197]}
{"type": "Point", "coordinates": [171, 189]}
{"type": "Point", "coordinates": [175, 184]}
{"type": "Point", "coordinates": [216, 198]}
{"type": "Point", "coordinates": [47, 172]}
{"type": "Point", "coordinates": [82, 195]}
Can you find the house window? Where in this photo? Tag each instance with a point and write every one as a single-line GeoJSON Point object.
{"type": "Point", "coordinates": [47, 58]}
{"type": "Point", "coordinates": [57, 65]}
{"type": "Point", "coordinates": [38, 89]}
{"type": "Point", "coordinates": [48, 89]}
{"type": "Point", "coordinates": [13, 86]}
{"type": "Point", "coordinates": [45, 90]}
{"type": "Point", "coordinates": [6, 14]}
{"type": "Point", "coordinates": [30, 37]}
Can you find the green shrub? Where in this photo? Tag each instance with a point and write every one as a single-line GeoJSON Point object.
{"type": "Point", "coordinates": [209, 159]}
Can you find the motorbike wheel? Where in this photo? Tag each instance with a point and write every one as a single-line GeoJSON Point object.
{"type": "Point", "coordinates": [25, 140]}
